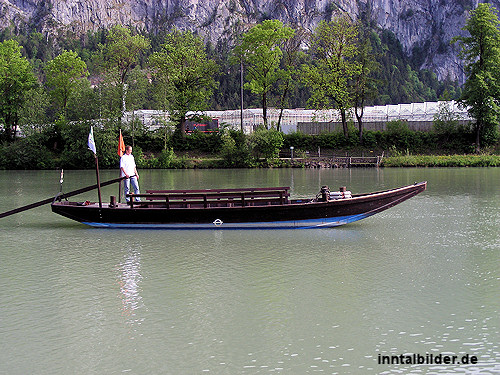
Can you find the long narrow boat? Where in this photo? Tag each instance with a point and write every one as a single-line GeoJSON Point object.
{"type": "Point", "coordinates": [252, 208]}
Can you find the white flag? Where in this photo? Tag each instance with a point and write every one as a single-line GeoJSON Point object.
{"type": "Point", "coordinates": [91, 142]}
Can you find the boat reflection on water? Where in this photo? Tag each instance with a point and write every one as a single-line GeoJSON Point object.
{"type": "Point", "coordinates": [129, 279]}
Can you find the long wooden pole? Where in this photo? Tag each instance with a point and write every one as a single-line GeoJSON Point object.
{"type": "Point", "coordinates": [60, 196]}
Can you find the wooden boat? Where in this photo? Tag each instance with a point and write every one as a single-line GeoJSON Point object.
{"type": "Point", "coordinates": [252, 208]}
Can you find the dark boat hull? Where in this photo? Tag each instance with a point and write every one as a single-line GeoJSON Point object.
{"type": "Point", "coordinates": [294, 215]}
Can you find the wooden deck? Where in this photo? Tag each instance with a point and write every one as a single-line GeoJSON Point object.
{"type": "Point", "coordinates": [357, 161]}
{"type": "Point", "coordinates": [328, 156]}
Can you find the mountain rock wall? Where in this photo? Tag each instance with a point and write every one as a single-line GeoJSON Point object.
{"type": "Point", "coordinates": [423, 27]}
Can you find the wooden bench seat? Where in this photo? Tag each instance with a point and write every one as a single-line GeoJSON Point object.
{"type": "Point", "coordinates": [213, 197]}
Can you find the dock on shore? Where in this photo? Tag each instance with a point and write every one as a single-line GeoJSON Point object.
{"type": "Point", "coordinates": [323, 160]}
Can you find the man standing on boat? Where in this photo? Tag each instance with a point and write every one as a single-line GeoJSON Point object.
{"type": "Point", "coordinates": [129, 170]}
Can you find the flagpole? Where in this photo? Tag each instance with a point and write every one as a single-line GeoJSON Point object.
{"type": "Point", "coordinates": [91, 144]}
{"type": "Point", "coordinates": [98, 181]}
{"type": "Point", "coordinates": [121, 148]}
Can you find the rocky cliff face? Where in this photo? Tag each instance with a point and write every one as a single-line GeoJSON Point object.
{"type": "Point", "coordinates": [427, 27]}
{"type": "Point", "coordinates": [423, 26]}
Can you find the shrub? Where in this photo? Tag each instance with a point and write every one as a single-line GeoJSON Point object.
{"type": "Point", "coordinates": [75, 153]}
{"type": "Point", "coordinates": [197, 140]}
{"type": "Point", "coordinates": [26, 153]}
{"type": "Point", "coordinates": [370, 139]}
{"type": "Point", "coordinates": [330, 140]}
{"type": "Point", "coordinates": [266, 143]}
{"type": "Point", "coordinates": [235, 150]}
{"type": "Point", "coordinates": [451, 135]}
{"type": "Point", "coordinates": [299, 141]}
{"type": "Point", "coordinates": [166, 159]}
{"type": "Point", "coordinates": [398, 134]}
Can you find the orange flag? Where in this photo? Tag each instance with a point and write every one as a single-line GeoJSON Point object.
{"type": "Point", "coordinates": [121, 145]}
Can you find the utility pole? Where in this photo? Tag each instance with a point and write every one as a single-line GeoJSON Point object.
{"type": "Point", "coordinates": [241, 94]}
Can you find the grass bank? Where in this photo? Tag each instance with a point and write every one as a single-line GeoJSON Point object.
{"type": "Point", "coordinates": [391, 161]}
{"type": "Point", "coordinates": [442, 161]}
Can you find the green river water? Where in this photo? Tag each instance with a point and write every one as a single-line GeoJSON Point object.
{"type": "Point", "coordinates": [422, 278]}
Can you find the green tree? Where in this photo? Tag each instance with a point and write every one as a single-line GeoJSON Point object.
{"type": "Point", "coordinates": [261, 54]}
{"type": "Point", "coordinates": [138, 90]}
{"type": "Point", "coordinates": [32, 114]}
{"type": "Point", "coordinates": [83, 104]}
{"type": "Point", "coordinates": [480, 51]}
{"type": "Point", "coordinates": [119, 56]}
{"type": "Point", "coordinates": [183, 76]}
{"type": "Point", "coordinates": [334, 46]}
{"type": "Point", "coordinates": [16, 77]}
{"type": "Point", "coordinates": [63, 74]}
{"type": "Point", "coordinates": [109, 98]}
{"type": "Point", "coordinates": [363, 84]}
{"type": "Point", "coordinates": [292, 55]}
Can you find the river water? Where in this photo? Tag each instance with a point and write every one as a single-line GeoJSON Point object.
{"type": "Point", "coordinates": [421, 278]}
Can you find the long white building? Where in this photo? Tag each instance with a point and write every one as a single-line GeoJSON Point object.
{"type": "Point", "coordinates": [293, 119]}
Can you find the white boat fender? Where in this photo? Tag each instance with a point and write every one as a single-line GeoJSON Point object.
{"type": "Point", "coordinates": [334, 195]}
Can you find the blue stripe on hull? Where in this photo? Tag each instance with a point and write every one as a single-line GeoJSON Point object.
{"type": "Point", "coordinates": [296, 224]}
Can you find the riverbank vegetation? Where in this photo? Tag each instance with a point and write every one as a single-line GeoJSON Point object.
{"type": "Point", "coordinates": [53, 90]}
{"type": "Point", "coordinates": [102, 74]}
{"type": "Point", "coordinates": [64, 145]}
{"type": "Point", "coordinates": [442, 161]}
